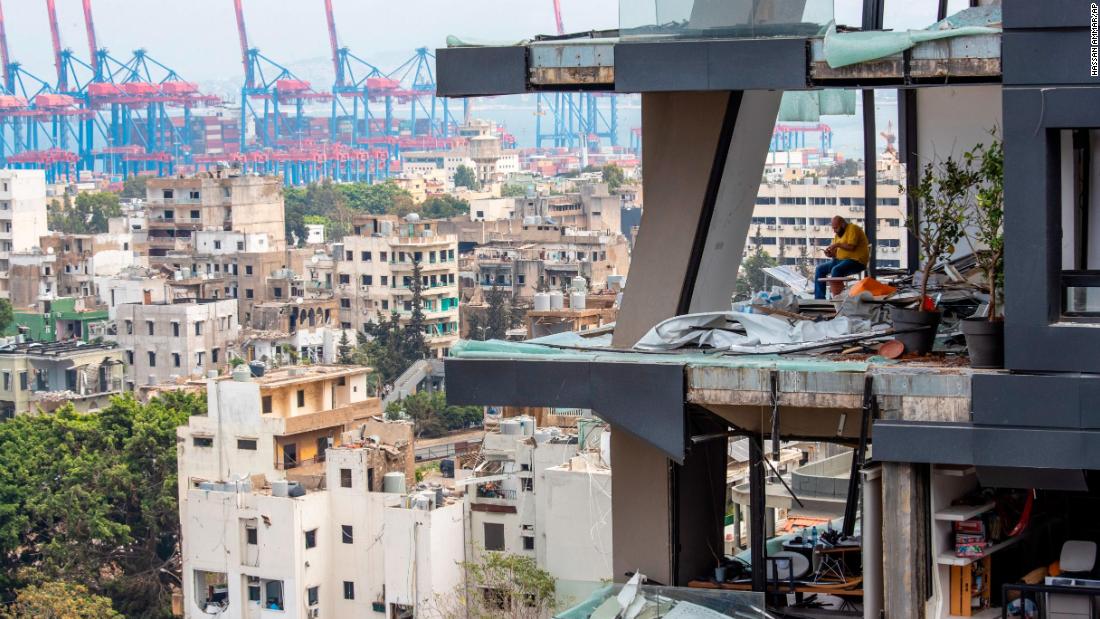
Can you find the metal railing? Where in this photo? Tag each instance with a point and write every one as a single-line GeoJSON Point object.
{"type": "Point", "coordinates": [1035, 600]}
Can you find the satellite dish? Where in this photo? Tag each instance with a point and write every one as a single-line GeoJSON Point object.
{"type": "Point", "coordinates": [315, 259]}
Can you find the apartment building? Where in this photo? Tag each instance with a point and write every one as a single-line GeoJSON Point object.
{"type": "Point", "coordinates": [173, 340]}
{"type": "Point", "coordinates": [60, 319]}
{"type": "Point", "coordinates": [22, 217]}
{"type": "Point", "coordinates": [304, 329]}
{"type": "Point", "coordinates": [545, 258]}
{"type": "Point", "coordinates": [542, 493]}
{"type": "Point", "coordinates": [250, 207]}
{"type": "Point", "coordinates": [481, 150]}
{"type": "Point", "coordinates": [791, 220]}
{"type": "Point", "coordinates": [41, 376]}
{"type": "Point", "coordinates": [281, 495]}
{"type": "Point", "coordinates": [374, 270]}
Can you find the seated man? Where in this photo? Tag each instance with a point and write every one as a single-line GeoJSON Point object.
{"type": "Point", "coordinates": [848, 254]}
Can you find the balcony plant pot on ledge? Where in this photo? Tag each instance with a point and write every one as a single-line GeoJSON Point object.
{"type": "Point", "coordinates": [920, 326]}
{"type": "Point", "coordinates": [985, 336]}
{"type": "Point", "coordinates": [985, 340]}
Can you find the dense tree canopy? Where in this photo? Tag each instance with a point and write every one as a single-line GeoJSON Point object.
{"type": "Point", "coordinates": [88, 214]}
{"type": "Point", "coordinates": [614, 176]}
{"type": "Point", "coordinates": [432, 416]}
{"type": "Point", "coordinates": [465, 177]}
{"type": "Point", "coordinates": [134, 187]}
{"type": "Point", "coordinates": [444, 207]}
{"type": "Point", "coordinates": [337, 204]}
{"type": "Point", "coordinates": [752, 278]}
{"type": "Point", "coordinates": [59, 600]}
{"type": "Point", "coordinates": [92, 499]}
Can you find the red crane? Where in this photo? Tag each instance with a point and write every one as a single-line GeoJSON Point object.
{"type": "Point", "coordinates": [93, 48]}
{"type": "Point", "coordinates": [243, 35]}
{"type": "Point", "coordinates": [334, 43]}
{"type": "Point", "coordinates": [557, 17]}
{"type": "Point", "coordinates": [55, 38]}
{"type": "Point", "coordinates": [4, 52]}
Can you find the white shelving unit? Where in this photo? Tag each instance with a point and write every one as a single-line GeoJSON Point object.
{"type": "Point", "coordinates": [949, 558]}
{"type": "Point", "coordinates": [958, 513]}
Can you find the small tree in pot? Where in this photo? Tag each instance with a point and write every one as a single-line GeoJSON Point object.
{"type": "Point", "coordinates": [942, 195]}
{"type": "Point", "coordinates": [985, 337]}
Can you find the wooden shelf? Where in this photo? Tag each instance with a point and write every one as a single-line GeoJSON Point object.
{"type": "Point", "coordinates": [949, 558]}
{"type": "Point", "coordinates": [958, 513]}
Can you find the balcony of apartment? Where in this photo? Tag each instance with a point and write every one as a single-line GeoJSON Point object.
{"type": "Point", "coordinates": [330, 418]}
{"type": "Point", "coordinates": [426, 266]}
{"type": "Point", "coordinates": [160, 222]}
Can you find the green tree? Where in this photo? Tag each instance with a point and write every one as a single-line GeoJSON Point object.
{"type": "Point", "coordinates": [88, 214]}
{"type": "Point", "coordinates": [7, 318]}
{"type": "Point", "coordinates": [752, 278]}
{"type": "Point", "coordinates": [498, 314]}
{"type": "Point", "coordinates": [415, 348]}
{"type": "Point", "coordinates": [513, 191]}
{"type": "Point", "coordinates": [344, 349]}
{"type": "Point", "coordinates": [134, 187]}
{"type": "Point", "coordinates": [59, 600]}
{"type": "Point", "coordinates": [432, 416]}
{"type": "Point", "coordinates": [499, 585]}
{"type": "Point", "coordinates": [614, 176]}
{"type": "Point", "coordinates": [848, 168]}
{"type": "Point", "coordinates": [444, 207]}
{"type": "Point", "coordinates": [465, 177]}
{"type": "Point", "coordinates": [92, 499]}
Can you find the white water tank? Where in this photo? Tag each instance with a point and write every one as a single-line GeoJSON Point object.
{"type": "Point", "coordinates": [511, 427]}
{"type": "Point", "coordinates": [280, 487]}
{"type": "Point", "coordinates": [393, 483]}
{"type": "Point", "coordinates": [577, 300]}
{"type": "Point", "coordinates": [542, 302]}
{"type": "Point", "coordinates": [557, 300]}
{"type": "Point", "coordinates": [527, 426]}
{"type": "Point", "coordinates": [579, 284]}
{"type": "Point", "coordinates": [616, 282]}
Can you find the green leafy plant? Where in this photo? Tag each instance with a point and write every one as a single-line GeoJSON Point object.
{"type": "Point", "coordinates": [943, 194]}
{"type": "Point", "coordinates": [986, 216]}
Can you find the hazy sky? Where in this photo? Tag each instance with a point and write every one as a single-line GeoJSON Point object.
{"type": "Point", "coordinates": [198, 38]}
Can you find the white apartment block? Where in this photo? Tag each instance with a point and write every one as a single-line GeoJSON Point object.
{"type": "Point", "coordinates": [168, 341]}
{"type": "Point", "coordinates": [374, 274]}
{"type": "Point", "coordinates": [793, 219]}
{"type": "Point", "coordinates": [262, 539]}
{"type": "Point", "coordinates": [22, 215]}
{"type": "Point", "coordinates": [537, 493]}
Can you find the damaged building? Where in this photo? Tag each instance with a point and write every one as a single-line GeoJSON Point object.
{"type": "Point", "coordinates": [969, 490]}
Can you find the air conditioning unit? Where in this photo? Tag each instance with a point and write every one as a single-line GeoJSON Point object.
{"type": "Point", "coordinates": [771, 227]}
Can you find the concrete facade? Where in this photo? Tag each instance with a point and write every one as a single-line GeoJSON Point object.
{"type": "Point", "coordinates": [43, 376]}
{"type": "Point", "coordinates": [374, 274]}
{"type": "Point", "coordinates": [22, 217]}
{"type": "Point", "coordinates": [168, 341]}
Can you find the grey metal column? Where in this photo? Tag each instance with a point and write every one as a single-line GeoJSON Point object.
{"type": "Point", "coordinates": [872, 20]}
{"type": "Point", "coordinates": [757, 510]}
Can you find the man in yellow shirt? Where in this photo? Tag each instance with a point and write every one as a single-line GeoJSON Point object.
{"type": "Point", "coordinates": [849, 254]}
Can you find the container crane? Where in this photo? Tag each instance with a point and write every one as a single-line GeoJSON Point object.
{"type": "Point", "coordinates": [360, 82]}
{"type": "Point", "coordinates": [274, 84]}
{"type": "Point", "coordinates": [574, 116]}
{"type": "Point", "coordinates": [418, 80]}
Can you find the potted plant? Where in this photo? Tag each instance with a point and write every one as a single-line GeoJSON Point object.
{"type": "Point", "coordinates": [985, 234]}
{"type": "Point", "coordinates": [942, 194]}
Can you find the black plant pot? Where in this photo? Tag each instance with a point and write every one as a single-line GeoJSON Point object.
{"type": "Point", "coordinates": [985, 339]}
{"type": "Point", "coordinates": [920, 340]}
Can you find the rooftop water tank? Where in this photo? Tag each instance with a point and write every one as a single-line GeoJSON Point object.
{"type": "Point", "coordinates": [241, 374]}
{"type": "Point", "coordinates": [542, 302]}
{"type": "Point", "coordinates": [579, 284]}
{"type": "Point", "coordinates": [393, 483]}
{"type": "Point", "coordinates": [280, 487]}
{"type": "Point", "coordinates": [257, 369]}
{"type": "Point", "coordinates": [511, 427]}
{"type": "Point", "coordinates": [577, 300]}
{"type": "Point", "coordinates": [527, 426]}
{"type": "Point", "coordinates": [557, 300]}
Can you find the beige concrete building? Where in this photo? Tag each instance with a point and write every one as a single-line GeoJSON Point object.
{"type": "Point", "coordinates": [374, 275]}
{"type": "Point", "coordinates": [169, 341]}
{"type": "Point", "coordinates": [794, 219]}
{"type": "Point", "coordinates": [178, 209]}
{"type": "Point", "coordinates": [43, 376]}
